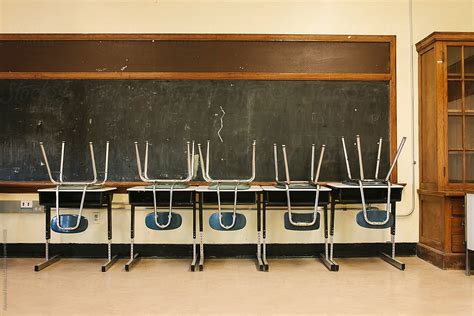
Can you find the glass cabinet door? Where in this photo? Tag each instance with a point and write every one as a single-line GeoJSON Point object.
{"type": "Point", "coordinates": [460, 95]}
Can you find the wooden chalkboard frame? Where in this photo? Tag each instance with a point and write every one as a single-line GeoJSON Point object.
{"type": "Point", "coordinates": [23, 44]}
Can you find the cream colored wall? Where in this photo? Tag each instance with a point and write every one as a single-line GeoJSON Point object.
{"type": "Point", "coordinates": [292, 17]}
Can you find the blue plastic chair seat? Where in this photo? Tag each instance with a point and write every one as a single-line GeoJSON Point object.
{"type": "Point", "coordinates": [176, 220]}
{"type": "Point", "coordinates": [301, 217]}
{"type": "Point", "coordinates": [374, 216]}
{"type": "Point", "coordinates": [69, 221]}
{"type": "Point", "coordinates": [240, 221]}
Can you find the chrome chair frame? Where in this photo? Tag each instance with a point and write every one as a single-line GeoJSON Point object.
{"type": "Point", "coordinates": [234, 182]}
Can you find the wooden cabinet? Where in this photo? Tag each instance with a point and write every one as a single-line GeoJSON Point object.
{"type": "Point", "coordinates": [446, 136]}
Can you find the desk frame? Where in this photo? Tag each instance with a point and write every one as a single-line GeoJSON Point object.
{"type": "Point", "coordinates": [326, 257]}
{"type": "Point", "coordinates": [134, 256]}
{"type": "Point", "coordinates": [346, 194]}
{"type": "Point", "coordinates": [95, 199]}
{"type": "Point", "coordinates": [257, 191]}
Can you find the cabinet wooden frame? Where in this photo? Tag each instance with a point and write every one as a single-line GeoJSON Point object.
{"type": "Point", "coordinates": [441, 201]}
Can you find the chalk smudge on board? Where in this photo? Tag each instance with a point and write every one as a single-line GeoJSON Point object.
{"type": "Point", "coordinates": [222, 124]}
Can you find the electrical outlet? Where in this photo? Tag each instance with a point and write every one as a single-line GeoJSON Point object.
{"type": "Point", "coordinates": [26, 204]}
{"type": "Point", "coordinates": [96, 217]}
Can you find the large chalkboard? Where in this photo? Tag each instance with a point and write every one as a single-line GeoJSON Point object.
{"type": "Point", "coordinates": [167, 113]}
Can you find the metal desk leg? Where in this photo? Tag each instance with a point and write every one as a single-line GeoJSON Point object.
{"type": "Point", "coordinates": [195, 255]}
{"type": "Point", "coordinates": [326, 233]}
{"type": "Point", "coordinates": [201, 224]}
{"type": "Point", "coordinates": [48, 261]}
{"type": "Point", "coordinates": [110, 260]}
{"type": "Point", "coordinates": [391, 259]}
{"type": "Point", "coordinates": [133, 257]}
{"type": "Point", "coordinates": [468, 263]}
{"type": "Point", "coordinates": [331, 231]}
{"type": "Point", "coordinates": [259, 227]}
{"type": "Point", "coordinates": [331, 237]}
{"type": "Point", "coordinates": [326, 258]}
{"type": "Point", "coordinates": [264, 246]}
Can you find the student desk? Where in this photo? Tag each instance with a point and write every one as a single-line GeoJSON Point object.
{"type": "Point", "coordinates": [343, 193]}
{"type": "Point", "coordinates": [250, 196]}
{"type": "Point", "coordinates": [142, 196]}
{"type": "Point", "coordinates": [276, 198]}
{"type": "Point", "coordinates": [71, 198]}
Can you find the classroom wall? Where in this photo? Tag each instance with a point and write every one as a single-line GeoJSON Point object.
{"type": "Point", "coordinates": [243, 16]}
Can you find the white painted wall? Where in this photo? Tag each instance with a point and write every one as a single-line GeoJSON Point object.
{"type": "Point", "coordinates": [389, 17]}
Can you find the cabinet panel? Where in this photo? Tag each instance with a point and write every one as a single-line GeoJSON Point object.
{"type": "Point", "coordinates": [455, 132]}
{"type": "Point", "coordinates": [469, 61]}
{"type": "Point", "coordinates": [469, 96]}
{"type": "Point", "coordinates": [457, 243]}
{"type": "Point", "coordinates": [428, 121]}
{"type": "Point", "coordinates": [454, 96]}
{"type": "Point", "coordinates": [454, 61]}
{"type": "Point", "coordinates": [457, 206]}
{"type": "Point", "coordinates": [460, 115]}
{"type": "Point", "coordinates": [431, 221]}
{"type": "Point", "coordinates": [469, 167]}
{"type": "Point", "coordinates": [455, 167]}
{"type": "Point", "coordinates": [469, 140]}
{"type": "Point", "coordinates": [457, 225]}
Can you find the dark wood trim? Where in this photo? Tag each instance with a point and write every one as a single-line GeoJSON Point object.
{"type": "Point", "coordinates": [192, 53]}
{"type": "Point", "coordinates": [201, 37]}
{"type": "Point", "coordinates": [195, 76]}
{"type": "Point", "coordinates": [444, 36]}
{"type": "Point", "coordinates": [33, 186]}
{"type": "Point", "coordinates": [441, 259]}
{"type": "Point", "coordinates": [441, 193]}
{"type": "Point", "coordinates": [393, 106]}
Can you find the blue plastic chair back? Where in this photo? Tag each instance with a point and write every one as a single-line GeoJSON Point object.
{"type": "Point", "coordinates": [240, 221]}
{"type": "Point", "coordinates": [301, 217]}
{"type": "Point", "coordinates": [374, 216]}
{"type": "Point", "coordinates": [69, 220]}
{"type": "Point", "coordinates": [176, 220]}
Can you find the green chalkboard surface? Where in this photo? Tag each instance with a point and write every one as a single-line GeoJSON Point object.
{"type": "Point", "coordinates": [168, 113]}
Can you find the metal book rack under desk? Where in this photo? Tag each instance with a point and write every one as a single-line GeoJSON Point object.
{"type": "Point", "coordinates": [249, 196]}
{"type": "Point", "coordinates": [343, 193]}
{"type": "Point", "coordinates": [71, 198]}
{"type": "Point", "coordinates": [276, 198]}
{"type": "Point", "coordinates": [141, 196]}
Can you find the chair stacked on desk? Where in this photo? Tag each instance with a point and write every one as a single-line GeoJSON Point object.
{"type": "Point", "coordinates": [162, 192]}
{"type": "Point", "coordinates": [227, 191]}
{"type": "Point", "coordinates": [306, 193]}
{"type": "Point", "coordinates": [303, 200]}
{"type": "Point", "coordinates": [73, 194]}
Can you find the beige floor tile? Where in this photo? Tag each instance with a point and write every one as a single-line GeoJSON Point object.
{"type": "Point", "coordinates": [363, 286]}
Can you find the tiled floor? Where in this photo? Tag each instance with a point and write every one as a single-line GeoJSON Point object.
{"type": "Point", "coordinates": [234, 286]}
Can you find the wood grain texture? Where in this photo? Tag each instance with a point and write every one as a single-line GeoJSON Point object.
{"type": "Point", "coordinates": [441, 201]}
{"type": "Point", "coordinates": [194, 76]}
{"type": "Point", "coordinates": [202, 37]}
{"type": "Point", "coordinates": [444, 37]}
{"type": "Point", "coordinates": [184, 56]}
